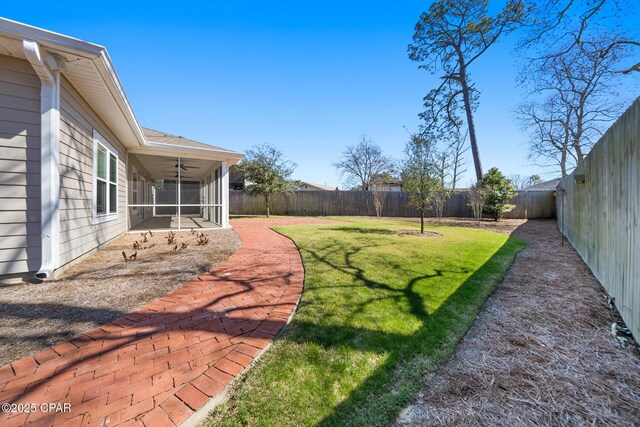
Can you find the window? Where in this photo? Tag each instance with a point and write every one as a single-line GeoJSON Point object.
{"type": "Point", "coordinates": [105, 172]}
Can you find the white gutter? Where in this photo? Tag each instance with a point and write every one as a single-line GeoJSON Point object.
{"type": "Point", "coordinates": [48, 69]}
{"type": "Point", "coordinates": [228, 156]}
{"type": "Point", "coordinates": [61, 42]}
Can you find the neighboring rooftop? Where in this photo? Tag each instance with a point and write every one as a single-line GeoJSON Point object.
{"type": "Point", "coordinates": [153, 135]}
{"type": "Point", "coordinates": [547, 185]}
{"type": "Point", "coordinates": [310, 186]}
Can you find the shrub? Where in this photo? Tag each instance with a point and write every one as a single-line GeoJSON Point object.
{"type": "Point", "coordinates": [499, 192]}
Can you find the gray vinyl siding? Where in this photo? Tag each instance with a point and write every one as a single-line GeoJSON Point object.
{"type": "Point", "coordinates": [78, 233]}
{"type": "Point", "coordinates": [19, 167]}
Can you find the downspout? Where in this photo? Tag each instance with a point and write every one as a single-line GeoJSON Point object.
{"type": "Point", "coordinates": [48, 68]}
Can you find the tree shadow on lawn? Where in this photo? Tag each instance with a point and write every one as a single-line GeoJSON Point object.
{"type": "Point", "coordinates": [379, 398]}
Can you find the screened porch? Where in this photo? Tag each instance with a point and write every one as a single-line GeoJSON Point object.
{"type": "Point", "coordinates": [174, 193]}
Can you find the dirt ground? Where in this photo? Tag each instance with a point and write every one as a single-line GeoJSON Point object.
{"type": "Point", "coordinates": [102, 288]}
{"type": "Point", "coordinates": [540, 352]}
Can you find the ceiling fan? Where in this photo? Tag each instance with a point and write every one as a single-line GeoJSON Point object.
{"type": "Point", "coordinates": [184, 167]}
{"type": "Point", "coordinates": [183, 176]}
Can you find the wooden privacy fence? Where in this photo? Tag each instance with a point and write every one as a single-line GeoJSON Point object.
{"type": "Point", "coordinates": [529, 204]}
{"type": "Point", "coordinates": [598, 213]}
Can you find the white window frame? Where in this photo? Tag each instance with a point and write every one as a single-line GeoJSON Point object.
{"type": "Point", "coordinates": [99, 140]}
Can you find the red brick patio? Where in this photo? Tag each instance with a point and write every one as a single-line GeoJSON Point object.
{"type": "Point", "coordinates": [156, 366]}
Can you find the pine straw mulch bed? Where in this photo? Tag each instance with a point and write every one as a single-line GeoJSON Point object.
{"type": "Point", "coordinates": [540, 352]}
{"type": "Point", "coordinates": [102, 288]}
{"type": "Point", "coordinates": [417, 233]}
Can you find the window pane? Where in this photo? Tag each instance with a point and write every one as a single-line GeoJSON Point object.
{"type": "Point", "coordinates": [113, 198]}
{"type": "Point", "coordinates": [113, 168]}
{"type": "Point", "coordinates": [101, 197]}
{"type": "Point", "coordinates": [102, 162]}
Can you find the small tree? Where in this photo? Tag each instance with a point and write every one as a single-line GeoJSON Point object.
{"type": "Point", "coordinates": [379, 197]}
{"type": "Point", "coordinates": [440, 197]}
{"type": "Point", "coordinates": [378, 193]}
{"type": "Point", "coordinates": [266, 173]}
{"type": "Point", "coordinates": [378, 190]}
{"type": "Point", "coordinates": [476, 198]}
{"type": "Point", "coordinates": [417, 175]}
{"type": "Point", "coordinates": [499, 192]}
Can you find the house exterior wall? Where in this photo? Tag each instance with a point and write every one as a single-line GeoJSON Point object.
{"type": "Point", "coordinates": [20, 249]}
{"type": "Point", "coordinates": [78, 233]}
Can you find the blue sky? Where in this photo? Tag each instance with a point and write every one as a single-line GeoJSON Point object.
{"type": "Point", "coordinates": [307, 77]}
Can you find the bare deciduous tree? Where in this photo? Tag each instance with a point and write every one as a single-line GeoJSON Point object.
{"type": "Point", "coordinates": [363, 161]}
{"type": "Point", "coordinates": [476, 198]}
{"type": "Point", "coordinates": [379, 195]}
{"type": "Point", "coordinates": [440, 196]}
{"type": "Point", "coordinates": [572, 74]}
{"type": "Point", "coordinates": [520, 181]}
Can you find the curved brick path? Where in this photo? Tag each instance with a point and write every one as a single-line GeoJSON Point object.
{"type": "Point", "coordinates": [156, 366]}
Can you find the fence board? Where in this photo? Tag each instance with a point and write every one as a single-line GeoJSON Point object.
{"type": "Point", "coordinates": [600, 216]}
{"type": "Point", "coordinates": [529, 204]}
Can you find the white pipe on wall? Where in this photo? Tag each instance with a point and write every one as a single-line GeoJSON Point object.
{"type": "Point", "coordinates": [48, 68]}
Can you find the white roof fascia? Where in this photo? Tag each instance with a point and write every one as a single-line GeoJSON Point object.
{"type": "Point", "coordinates": [104, 64]}
{"type": "Point", "coordinates": [158, 148]}
{"type": "Point", "coordinates": [49, 38]}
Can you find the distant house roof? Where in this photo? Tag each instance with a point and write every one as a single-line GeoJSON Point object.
{"type": "Point", "coordinates": [547, 185]}
{"type": "Point", "coordinates": [310, 186]}
{"type": "Point", "coordinates": [166, 138]}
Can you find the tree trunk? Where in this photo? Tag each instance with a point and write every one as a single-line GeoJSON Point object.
{"type": "Point", "coordinates": [421, 221]}
{"type": "Point", "coordinates": [578, 149]}
{"type": "Point", "coordinates": [266, 200]}
{"type": "Point", "coordinates": [563, 162]}
{"type": "Point", "coordinates": [466, 95]}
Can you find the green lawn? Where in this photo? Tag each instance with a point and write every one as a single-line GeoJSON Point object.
{"type": "Point", "coordinates": [378, 310]}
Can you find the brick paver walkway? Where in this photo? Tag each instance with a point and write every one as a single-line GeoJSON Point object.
{"type": "Point", "coordinates": [156, 366]}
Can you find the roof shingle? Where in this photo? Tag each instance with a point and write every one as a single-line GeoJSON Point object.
{"type": "Point", "coordinates": [153, 135]}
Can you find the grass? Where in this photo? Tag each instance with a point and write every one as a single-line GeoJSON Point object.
{"type": "Point", "coordinates": [378, 310]}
